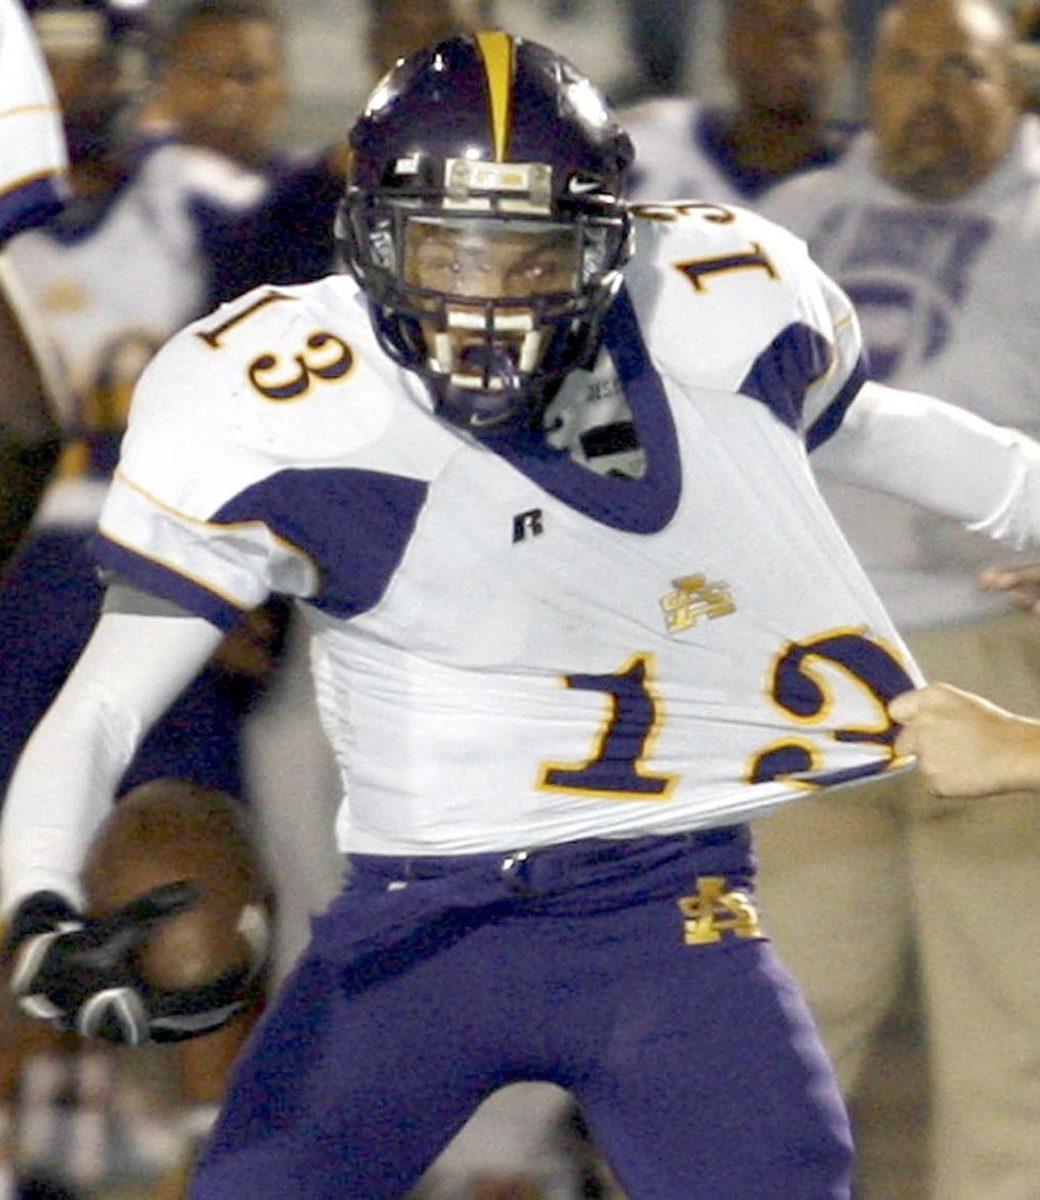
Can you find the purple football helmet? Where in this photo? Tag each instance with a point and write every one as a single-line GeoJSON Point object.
{"type": "Point", "coordinates": [484, 219]}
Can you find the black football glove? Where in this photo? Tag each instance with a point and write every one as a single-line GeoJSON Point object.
{"type": "Point", "coordinates": [79, 973]}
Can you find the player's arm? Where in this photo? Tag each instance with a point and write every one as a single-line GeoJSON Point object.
{"type": "Point", "coordinates": [909, 445]}
{"type": "Point", "coordinates": [941, 457]}
{"type": "Point", "coordinates": [966, 746]}
{"type": "Point", "coordinates": [66, 968]}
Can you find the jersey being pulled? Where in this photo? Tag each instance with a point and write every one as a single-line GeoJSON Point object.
{"type": "Point", "coordinates": [32, 144]}
{"type": "Point", "coordinates": [510, 648]}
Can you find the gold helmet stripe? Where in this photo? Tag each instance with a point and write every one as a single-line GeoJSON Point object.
{"type": "Point", "coordinates": [497, 51]}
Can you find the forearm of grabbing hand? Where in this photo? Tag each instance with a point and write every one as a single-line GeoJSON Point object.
{"type": "Point", "coordinates": [966, 746]}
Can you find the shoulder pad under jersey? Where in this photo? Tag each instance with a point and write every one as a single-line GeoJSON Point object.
{"type": "Point", "coordinates": [714, 286]}
{"type": "Point", "coordinates": [280, 378]}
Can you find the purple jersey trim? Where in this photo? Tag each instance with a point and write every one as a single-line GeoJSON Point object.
{"type": "Point", "coordinates": [643, 505]}
{"type": "Point", "coordinates": [30, 205]}
{"type": "Point", "coordinates": [783, 373]}
{"type": "Point", "coordinates": [162, 581]}
{"type": "Point", "coordinates": [354, 524]}
{"type": "Point", "coordinates": [829, 421]}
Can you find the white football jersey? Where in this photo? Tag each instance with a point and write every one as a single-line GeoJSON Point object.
{"type": "Point", "coordinates": [111, 289]}
{"type": "Point", "coordinates": [32, 144]}
{"type": "Point", "coordinates": [510, 648]}
{"type": "Point", "coordinates": [948, 296]}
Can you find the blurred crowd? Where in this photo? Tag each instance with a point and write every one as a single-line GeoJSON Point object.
{"type": "Point", "coordinates": [903, 147]}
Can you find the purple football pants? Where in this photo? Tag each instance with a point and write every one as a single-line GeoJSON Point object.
{"type": "Point", "coordinates": [697, 1067]}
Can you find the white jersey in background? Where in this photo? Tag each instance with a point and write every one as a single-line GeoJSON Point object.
{"type": "Point", "coordinates": [32, 144]}
{"type": "Point", "coordinates": [949, 298]}
{"type": "Point", "coordinates": [111, 287]}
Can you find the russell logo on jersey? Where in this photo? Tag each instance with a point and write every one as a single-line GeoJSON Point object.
{"type": "Point", "coordinates": [529, 522]}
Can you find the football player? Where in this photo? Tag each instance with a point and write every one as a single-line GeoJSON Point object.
{"type": "Point", "coordinates": [560, 675]}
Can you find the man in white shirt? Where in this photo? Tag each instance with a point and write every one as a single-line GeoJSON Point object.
{"type": "Point", "coordinates": [932, 225]}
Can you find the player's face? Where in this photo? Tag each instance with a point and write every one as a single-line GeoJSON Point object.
{"type": "Point", "coordinates": [943, 107]}
{"type": "Point", "coordinates": [785, 56]}
{"type": "Point", "coordinates": [226, 88]}
{"type": "Point", "coordinates": [460, 263]}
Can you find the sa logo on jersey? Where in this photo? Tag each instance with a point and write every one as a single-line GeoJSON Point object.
{"type": "Point", "coordinates": [696, 597]}
{"type": "Point", "coordinates": [713, 911]}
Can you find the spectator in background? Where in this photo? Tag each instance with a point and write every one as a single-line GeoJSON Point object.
{"type": "Point", "coordinates": [785, 59]}
{"type": "Point", "coordinates": [238, 46]}
{"type": "Point", "coordinates": [222, 86]}
{"type": "Point", "coordinates": [222, 81]}
{"type": "Point", "coordinates": [931, 225]}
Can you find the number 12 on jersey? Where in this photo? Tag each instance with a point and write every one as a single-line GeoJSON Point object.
{"type": "Point", "coordinates": [617, 767]}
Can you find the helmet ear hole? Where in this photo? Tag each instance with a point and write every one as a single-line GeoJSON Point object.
{"type": "Point", "coordinates": [544, 157]}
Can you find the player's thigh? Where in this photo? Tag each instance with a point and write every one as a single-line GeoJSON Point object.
{"type": "Point", "coordinates": [714, 1084]}
{"type": "Point", "coordinates": [343, 1094]}
{"type": "Point", "coordinates": [832, 883]}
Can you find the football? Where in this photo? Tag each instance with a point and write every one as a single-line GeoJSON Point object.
{"type": "Point", "coordinates": [169, 830]}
